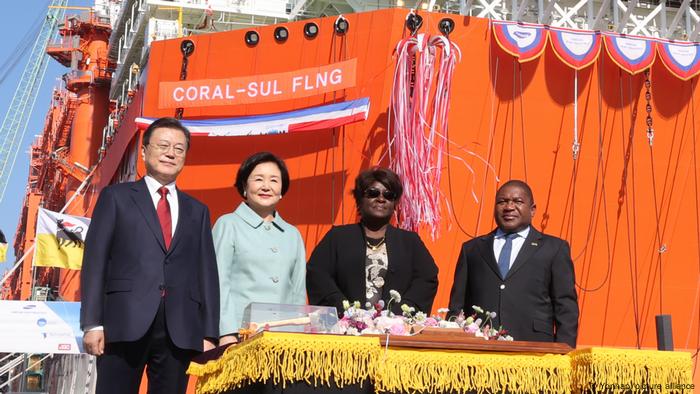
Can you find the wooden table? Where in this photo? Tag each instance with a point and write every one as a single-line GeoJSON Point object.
{"type": "Point", "coordinates": [302, 363]}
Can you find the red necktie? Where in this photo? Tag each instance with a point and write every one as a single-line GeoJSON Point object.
{"type": "Point", "coordinates": [166, 223]}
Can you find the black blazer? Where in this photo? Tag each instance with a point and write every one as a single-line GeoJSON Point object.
{"type": "Point", "coordinates": [336, 269]}
{"type": "Point", "coordinates": [537, 299]}
{"type": "Point", "coordinates": [126, 266]}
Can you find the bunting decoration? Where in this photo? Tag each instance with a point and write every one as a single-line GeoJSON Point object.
{"type": "Point", "coordinates": [682, 59]}
{"type": "Point", "coordinates": [308, 119]}
{"type": "Point", "coordinates": [576, 48]}
{"type": "Point", "coordinates": [524, 41]}
{"type": "Point", "coordinates": [632, 54]}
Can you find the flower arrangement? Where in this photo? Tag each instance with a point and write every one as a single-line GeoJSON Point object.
{"type": "Point", "coordinates": [480, 323]}
{"type": "Point", "coordinates": [378, 319]}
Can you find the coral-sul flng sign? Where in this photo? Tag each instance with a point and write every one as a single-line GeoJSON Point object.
{"type": "Point", "coordinates": [258, 88]}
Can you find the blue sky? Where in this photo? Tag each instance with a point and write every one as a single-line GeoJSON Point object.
{"type": "Point", "coordinates": [20, 17]}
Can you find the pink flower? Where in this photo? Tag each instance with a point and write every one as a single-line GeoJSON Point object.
{"type": "Point", "coordinates": [430, 322]}
{"type": "Point", "coordinates": [392, 325]}
{"type": "Point", "coordinates": [360, 325]}
{"type": "Point", "coordinates": [471, 328]}
{"type": "Point", "coordinates": [398, 328]}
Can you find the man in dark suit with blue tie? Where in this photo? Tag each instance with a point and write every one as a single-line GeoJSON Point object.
{"type": "Point", "coordinates": [526, 277]}
{"type": "Point", "coordinates": [149, 282]}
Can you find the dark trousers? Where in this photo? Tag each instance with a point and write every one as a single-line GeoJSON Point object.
{"type": "Point", "coordinates": [120, 368]}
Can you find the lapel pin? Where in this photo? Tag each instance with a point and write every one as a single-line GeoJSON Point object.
{"type": "Point", "coordinates": [533, 243]}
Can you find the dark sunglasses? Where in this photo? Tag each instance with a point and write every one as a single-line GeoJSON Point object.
{"type": "Point", "coordinates": [374, 193]}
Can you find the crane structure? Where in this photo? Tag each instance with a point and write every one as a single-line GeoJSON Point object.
{"type": "Point", "coordinates": [14, 125]}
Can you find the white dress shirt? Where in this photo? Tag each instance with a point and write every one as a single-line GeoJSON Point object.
{"type": "Point", "coordinates": [500, 240]}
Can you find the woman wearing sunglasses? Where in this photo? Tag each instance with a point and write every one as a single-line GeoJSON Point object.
{"type": "Point", "coordinates": [364, 261]}
{"type": "Point", "coordinates": [261, 258]}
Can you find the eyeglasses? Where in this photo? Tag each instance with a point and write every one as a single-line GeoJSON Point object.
{"type": "Point", "coordinates": [165, 148]}
{"type": "Point", "coordinates": [374, 193]}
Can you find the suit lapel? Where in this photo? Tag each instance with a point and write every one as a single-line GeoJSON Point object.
{"type": "Point", "coordinates": [183, 218]}
{"type": "Point", "coordinates": [144, 202]}
{"type": "Point", "coordinates": [486, 250]}
{"type": "Point", "coordinates": [530, 246]}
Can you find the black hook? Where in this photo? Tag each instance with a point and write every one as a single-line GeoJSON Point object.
{"type": "Point", "coordinates": [446, 26]}
{"type": "Point", "coordinates": [341, 25]}
{"type": "Point", "coordinates": [187, 48]}
{"type": "Point", "coordinates": [414, 22]}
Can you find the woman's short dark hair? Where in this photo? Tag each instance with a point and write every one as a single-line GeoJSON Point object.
{"type": "Point", "coordinates": [249, 165]}
{"type": "Point", "coordinates": [165, 123]}
{"type": "Point", "coordinates": [385, 176]}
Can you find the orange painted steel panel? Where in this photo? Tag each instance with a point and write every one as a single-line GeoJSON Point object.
{"type": "Point", "coordinates": [615, 205]}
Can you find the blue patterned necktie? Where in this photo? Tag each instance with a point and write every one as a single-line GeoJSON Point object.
{"type": "Point", "coordinates": [504, 256]}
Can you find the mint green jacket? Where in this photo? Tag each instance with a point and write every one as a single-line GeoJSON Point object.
{"type": "Point", "coordinates": [258, 261]}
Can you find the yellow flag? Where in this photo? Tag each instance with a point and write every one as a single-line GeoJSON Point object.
{"type": "Point", "coordinates": [60, 240]}
{"type": "Point", "coordinates": [3, 247]}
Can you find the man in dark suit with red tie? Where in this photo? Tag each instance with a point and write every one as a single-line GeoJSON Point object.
{"type": "Point", "coordinates": [149, 283]}
{"type": "Point", "coordinates": [526, 277]}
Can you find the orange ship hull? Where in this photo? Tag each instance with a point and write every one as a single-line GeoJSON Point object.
{"type": "Point", "coordinates": [629, 210]}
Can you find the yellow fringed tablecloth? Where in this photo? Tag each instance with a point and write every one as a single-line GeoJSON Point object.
{"type": "Point", "coordinates": [344, 360]}
{"type": "Point", "coordinates": [285, 357]}
{"type": "Point", "coordinates": [631, 370]}
{"type": "Point", "coordinates": [436, 371]}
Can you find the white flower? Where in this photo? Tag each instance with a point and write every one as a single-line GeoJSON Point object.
{"type": "Point", "coordinates": [447, 324]}
{"type": "Point", "coordinates": [443, 310]}
{"type": "Point", "coordinates": [357, 305]}
{"type": "Point", "coordinates": [338, 329]}
{"type": "Point", "coordinates": [420, 316]}
{"type": "Point", "coordinates": [395, 295]}
{"type": "Point", "coordinates": [493, 315]}
{"type": "Point", "coordinates": [352, 331]}
{"type": "Point", "coordinates": [477, 309]}
{"type": "Point", "coordinates": [346, 304]}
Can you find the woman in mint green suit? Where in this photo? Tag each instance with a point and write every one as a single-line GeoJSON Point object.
{"type": "Point", "coordinates": [261, 258]}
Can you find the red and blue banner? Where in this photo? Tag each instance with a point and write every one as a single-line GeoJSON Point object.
{"type": "Point", "coordinates": [576, 48]}
{"type": "Point", "coordinates": [524, 41]}
{"type": "Point", "coordinates": [682, 59]}
{"type": "Point", "coordinates": [632, 54]}
{"type": "Point", "coordinates": [308, 119]}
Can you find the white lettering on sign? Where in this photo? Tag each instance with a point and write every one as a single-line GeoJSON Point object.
{"type": "Point", "coordinates": [258, 88]}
